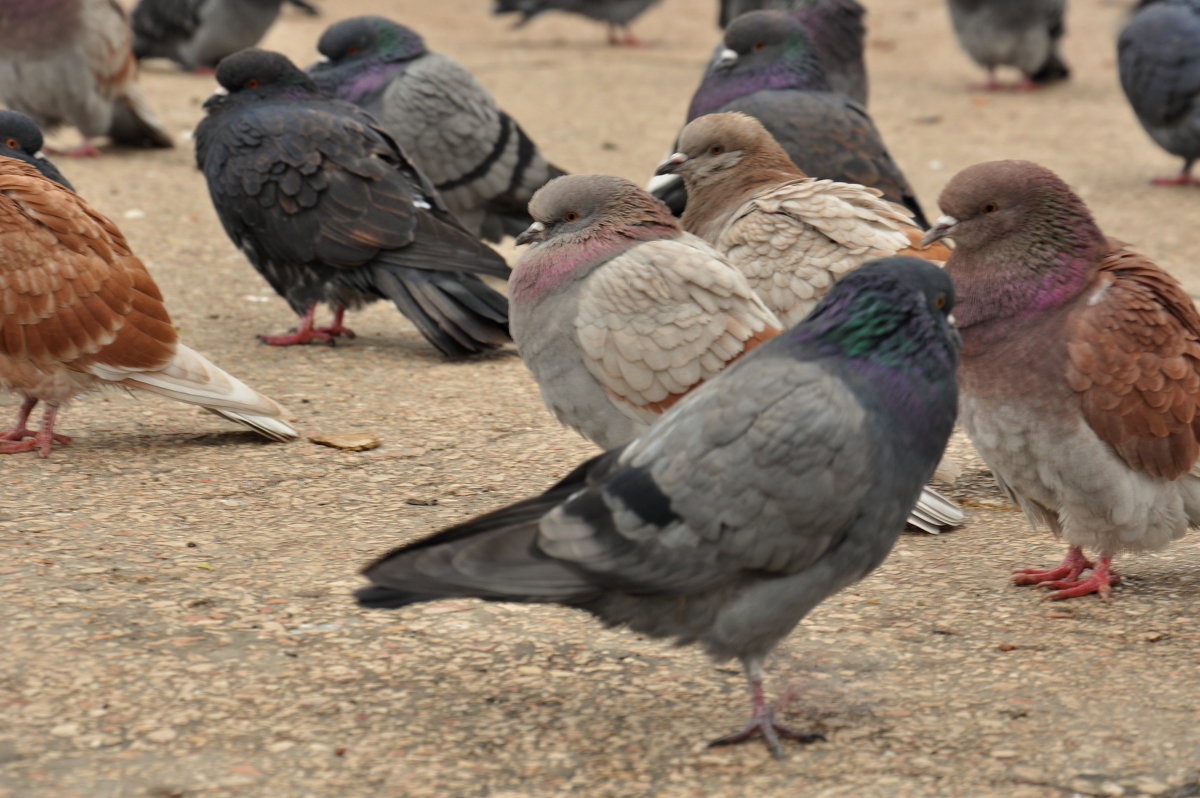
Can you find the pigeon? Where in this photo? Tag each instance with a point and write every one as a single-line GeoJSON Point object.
{"type": "Point", "coordinates": [761, 493]}
{"type": "Point", "coordinates": [1158, 57]}
{"type": "Point", "coordinates": [196, 34]}
{"type": "Point", "coordinates": [1080, 375]}
{"type": "Point", "coordinates": [480, 160]}
{"type": "Point", "coordinates": [617, 14]}
{"type": "Point", "coordinates": [619, 313]}
{"type": "Point", "coordinates": [21, 138]}
{"type": "Point", "coordinates": [834, 27]}
{"type": "Point", "coordinates": [78, 310]}
{"type": "Point", "coordinates": [1019, 33]}
{"type": "Point", "coordinates": [328, 209]}
{"type": "Point", "coordinates": [69, 62]}
{"type": "Point", "coordinates": [772, 73]}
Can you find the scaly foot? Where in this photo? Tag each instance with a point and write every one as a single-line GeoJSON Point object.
{"type": "Point", "coordinates": [762, 723]}
{"type": "Point", "coordinates": [1068, 570]}
{"type": "Point", "coordinates": [1181, 179]}
{"type": "Point", "coordinates": [302, 335]}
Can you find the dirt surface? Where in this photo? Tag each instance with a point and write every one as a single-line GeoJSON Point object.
{"type": "Point", "coordinates": [174, 593]}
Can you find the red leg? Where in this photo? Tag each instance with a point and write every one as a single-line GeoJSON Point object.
{"type": "Point", "coordinates": [762, 721]}
{"type": "Point", "coordinates": [85, 150]}
{"type": "Point", "coordinates": [1184, 178]}
{"type": "Point", "coordinates": [21, 439]}
{"type": "Point", "coordinates": [1100, 582]}
{"type": "Point", "coordinates": [625, 38]}
{"type": "Point", "coordinates": [1069, 569]}
{"type": "Point", "coordinates": [303, 334]}
{"type": "Point", "coordinates": [337, 329]}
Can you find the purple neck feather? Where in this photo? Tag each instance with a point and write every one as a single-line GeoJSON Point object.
{"type": "Point", "coordinates": [369, 81]}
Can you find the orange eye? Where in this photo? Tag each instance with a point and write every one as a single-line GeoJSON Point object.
{"type": "Point", "coordinates": [991, 207]}
{"type": "Point", "coordinates": [716, 149]}
{"type": "Point", "coordinates": [252, 83]}
{"type": "Point", "coordinates": [760, 45]}
{"type": "Point", "coordinates": [12, 144]}
{"type": "Point", "coordinates": [570, 216]}
{"type": "Point", "coordinates": [940, 302]}
{"type": "Point", "coordinates": [352, 50]}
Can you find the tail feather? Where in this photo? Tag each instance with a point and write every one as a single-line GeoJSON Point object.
{"type": "Point", "coordinates": [134, 124]}
{"type": "Point", "coordinates": [459, 314]}
{"type": "Point", "coordinates": [1054, 69]}
{"type": "Point", "coordinates": [192, 378]}
{"type": "Point", "coordinates": [934, 512]}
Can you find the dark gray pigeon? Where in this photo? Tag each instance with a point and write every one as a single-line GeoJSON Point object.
{"type": "Point", "coordinates": [480, 160]}
{"type": "Point", "coordinates": [761, 493]}
{"type": "Point", "coordinates": [835, 28]}
{"type": "Point", "coordinates": [21, 138]}
{"type": "Point", "coordinates": [617, 14]}
{"type": "Point", "coordinates": [1158, 56]}
{"type": "Point", "coordinates": [197, 34]}
{"type": "Point", "coordinates": [69, 62]}
{"type": "Point", "coordinates": [328, 209]}
{"type": "Point", "coordinates": [772, 72]}
{"type": "Point", "coordinates": [1019, 33]}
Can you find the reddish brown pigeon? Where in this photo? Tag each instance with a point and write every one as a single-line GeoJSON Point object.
{"type": "Point", "coordinates": [79, 310]}
{"type": "Point", "coordinates": [1080, 372]}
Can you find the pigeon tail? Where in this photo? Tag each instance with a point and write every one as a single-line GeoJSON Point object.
{"type": "Point", "coordinates": [192, 378]}
{"type": "Point", "coordinates": [458, 313]}
{"type": "Point", "coordinates": [1054, 69]}
{"type": "Point", "coordinates": [934, 512]}
{"type": "Point", "coordinates": [134, 124]}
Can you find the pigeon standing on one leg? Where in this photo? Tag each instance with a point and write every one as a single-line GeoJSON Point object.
{"type": "Point", "coordinates": [617, 14]}
{"type": "Point", "coordinates": [78, 310]}
{"type": "Point", "coordinates": [1080, 372]}
{"type": "Point", "coordinates": [328, 209]}
{"type": "Point", "coordinates": [760, 494]}
{"type": "Point", "coordinates": [69, 62]}
{"type": "Point", "coordinates": [771, 72]}
{"type": "Point", "coordinates": [197, 34]}
{"type": "Point", "coordinates": [1158, 56]}
{"type": "Point", "coordinates": [480, 160]}
{"type": "Point", "coordinates": [1019, 33]}
{"type": "Point", "coordinates": [20, 138]}
{"type": "Point", "coordinates": [619, 313]}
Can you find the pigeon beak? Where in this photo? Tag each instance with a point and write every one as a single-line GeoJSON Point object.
{"type": "Point", "coordinates": [671, 165]}
{"type": "Point", "coordinates": [727, 58]}
{"type": "Point", "coordinates": [532, 233]}
{"type": "Point", "coordinates": [941, 228]}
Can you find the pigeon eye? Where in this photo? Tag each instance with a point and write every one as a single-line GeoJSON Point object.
{"type": "Point", "coordinates": [12, 144]}
{"type": "Point", "coordinates": [760, 45]}
{"type": "Point", "coordinates": [991, 207]}
{"type": "Point", "coordinates": [352, 50]}
{"type": "Point", "coordinates": [716, 149]}
{"type": "Point", "coordinates": [940, 301]}
{"type": "Point", "coordinates": [252, 83]}
{"type": "Point", "coordinates": [570, 216]}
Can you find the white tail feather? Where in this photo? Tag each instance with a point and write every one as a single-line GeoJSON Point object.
{"type": "Point", "coordinates": [934, 512]}
{"type": "Point", "coordinates": [192, 378]}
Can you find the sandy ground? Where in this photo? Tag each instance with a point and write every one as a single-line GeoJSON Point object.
{"type": "Point", "coordinates": [174, 593]}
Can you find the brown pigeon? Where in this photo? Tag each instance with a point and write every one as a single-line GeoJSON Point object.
{"type": "Point", "coordinates": [1080, 371]}
{"type": "Point", "coordinates": [79, 310]}
{"type": "Point", "coordinates": [791, 234]}
{"type": "Point", "coordinates": [619, 313]}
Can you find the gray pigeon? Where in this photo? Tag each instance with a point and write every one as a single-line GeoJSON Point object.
{"type": "Point", "coordinates": [772, 72]}
{"type": "Point", "coordinates": [616, 13]}
{"type": "Point", "coordinates": [480, 160]}
{"type": "Point", "coordinates": [20, 138]}
{"type": "Point", "coordinates": [69, 62]}
{"type": "Point", "coordinates": [1158, 56]}
{"type": "Point", "coordinates": [328, 209]}
{"type": "Point", "coordinates": [835, 28]}
{"type": "Point", "coordinates": [1019, 33]}
{"type": "Point", "coordinates": [760, 494]}
{"type": "Point", "coordinates": [196, 34]}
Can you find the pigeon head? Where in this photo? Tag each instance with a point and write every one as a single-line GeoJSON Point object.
{"type": "Point", "coordinates": [1023, 240]}
{"type": "Point", "coordinates": [369, 38]}
{"type": "Point", "coordinates": [253, 73]}
{"type": "Point", "coordinates": [718, 143]}
{"type": "Point", "coordinates": [21, 138]}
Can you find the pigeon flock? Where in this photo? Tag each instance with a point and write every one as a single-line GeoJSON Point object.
{"type": "Point", "coordinates": [771, 341]}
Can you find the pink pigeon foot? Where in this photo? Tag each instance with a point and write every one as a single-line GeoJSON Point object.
{"type": "Point", "coordinates": [85, 150]}
{"type": "Point", "coordinates": [205, 70]}
{"type": "Point", "coordinates": [22, 439]}
{"type": "Point", "coordinates": [1069, 569]}
{"type": "Point", "coordinates": [762, 719]}
{"type": "Point", "coordinates": [306, 333]}
{"type": "Point", "coordinates": [338, 329]}
{"type": "Point", "coordinates": [626, 38]}
{"type": "Point", "coordinates": [1099, 582]}
{"type": "Point", "coordinates": [1181, 179]}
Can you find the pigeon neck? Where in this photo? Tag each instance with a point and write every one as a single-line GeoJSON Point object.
{"type": "Point", "coordinates": [370, 80]}
{"type": "Point", "coordinates": [721, 88]}
{"type": "Point", "coordinates": [556, 263]}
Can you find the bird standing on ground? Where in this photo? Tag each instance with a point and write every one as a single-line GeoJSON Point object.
{"type": "Point", "coordinates": [760, 494]}
{"type": "Point", "coordinates": [1080, 372]}
{"type": "Point", "coordinates": [1023, 34]}
{"type": "Point", "coordinates": [619, 313]}
{"type": "Point", "coordinates": [617, 14]}
{"type": "Point", "coordinates": [772, 72]}
{"type": "Point", "coordinates": [328, 209]}
{"type": "Point", "coordinates": [1158, 57]}
{"type": "Point", "coordinates": [78, 310]}
{"type": "Point", "coordinates": [20, 138]}
{"type": "Point", "coordinates": [69, 62]}
{"type": "Point", "coordinates": [196, 34]}
{"type": "Point", "coordinates": [480, 160]}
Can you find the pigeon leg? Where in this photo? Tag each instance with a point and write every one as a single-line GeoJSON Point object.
{"type": "Point", "coordinates": [991, 84]}
{"type": "Point", "coordinates": [85, 150]}
{"type": "Point", "coordinates": [762, 720]}
{"type": "Point", "coordinates": [1184, 178]}
{"type": "Point", "coordinates": [1099, 582]}
{"type": "Point", "coordinates": [14, 440]}
{"type": "Point", "coordinates": [1026, 84]}
{"type": "Point", "coordinates": [1068, 570]}
{"type": "Point", "coordinates": [337, 329]}
{"type": "Point", "coordinates": [626, 37]}
{"type": "Point", "coordinates": [303, 334]}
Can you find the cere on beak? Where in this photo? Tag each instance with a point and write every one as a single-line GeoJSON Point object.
{"type": "Point", "coordinates": [941, 228]}
{"type": "Point", "coordinates": [532, 233]}
{"type": "Point", "coordinates": [727, 58]}
{"type": "Point", "coordinates": [669, 166]}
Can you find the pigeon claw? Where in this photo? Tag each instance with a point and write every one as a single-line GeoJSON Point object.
{"type": "Point", "coordinates": [295, 337]}
{"type": "Point", "coordinates": [1182, 179]}
{"type": "Point", "coordinates": [762, 724]}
